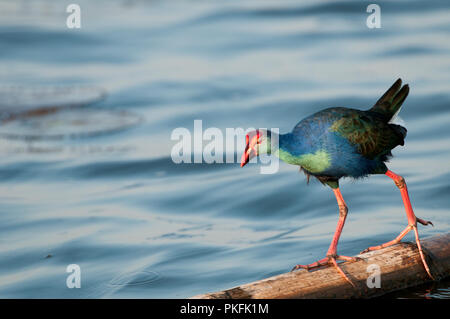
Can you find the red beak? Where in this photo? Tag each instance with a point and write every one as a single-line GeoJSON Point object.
{"type": "Point", "coordinates": [245, 157]}
{"type": "Point", "coordinates": [249, 152]}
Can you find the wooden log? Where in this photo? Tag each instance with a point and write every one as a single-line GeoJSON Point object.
{"type": "Point", "coordinates": [400, 267]}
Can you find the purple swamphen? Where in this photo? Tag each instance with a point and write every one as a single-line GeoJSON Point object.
{"type": "Point", "coordinates": [343, 142]}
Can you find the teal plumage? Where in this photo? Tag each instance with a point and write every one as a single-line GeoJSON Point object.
{"type": "Point", "coordinates": [344, 142]}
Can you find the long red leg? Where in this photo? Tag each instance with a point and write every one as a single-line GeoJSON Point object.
{"type": "Point", "coordinates": [331, 253]}
{"type": "Point", "coordinates": [342, 217]}
{"type": "Point", "coordinates": [412, 220]}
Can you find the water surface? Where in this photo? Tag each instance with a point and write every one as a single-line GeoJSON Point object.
{"type": "Point", "coordinates": [140, 226]}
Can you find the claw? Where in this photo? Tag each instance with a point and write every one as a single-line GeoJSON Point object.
{"type": "Point", "coordinates": [299, 266]}
{"type": "Point", "coordinates": [364, 251]}
{"type": "Point", "coordinates": [424, 222]}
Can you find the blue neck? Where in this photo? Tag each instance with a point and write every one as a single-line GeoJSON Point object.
{"type": "Point", "coordinates": [290, 149]}
{"type": "Point", "coordinates": [291, 144]}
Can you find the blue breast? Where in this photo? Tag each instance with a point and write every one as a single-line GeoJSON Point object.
{"type": "Point", "coordinates": [312, 135]}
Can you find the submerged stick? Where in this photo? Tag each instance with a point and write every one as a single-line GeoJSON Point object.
{"type": "Point", "coordinates": [398, 266]}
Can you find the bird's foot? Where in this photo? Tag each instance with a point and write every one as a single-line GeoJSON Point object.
{"type": "Point", "coordinates": [330, 259]}
{"type": "Point", "coordinates": [398, 239]}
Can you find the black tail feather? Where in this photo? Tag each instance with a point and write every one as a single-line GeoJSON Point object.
{"type": "Point", "coordinates": [391, 101]}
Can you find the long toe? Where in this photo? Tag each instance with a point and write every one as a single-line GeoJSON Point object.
{"type": "Point", "coordinates": [396, 240]}
{"type": "Point", "coordinates": [316, 264]}
{"type": "Point", "coordinates": [341, 272]}
{"type": "Point", "coordinates": [347, 258]}
{"type": "Point", "coordinates": [422, 256]}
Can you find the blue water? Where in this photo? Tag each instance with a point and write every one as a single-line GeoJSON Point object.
{"type": "Point", "coordinates": [140, 226]}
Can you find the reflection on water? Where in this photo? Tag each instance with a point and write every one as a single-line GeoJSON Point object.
{"type": "Point", "coordinates": [435, 290]}
{"type": "Point", "coordinates": [67, 123]}
{"type": "Point", "coordinates": [141, 226]}
{"type": "Point", "coordinates": [20, 100]}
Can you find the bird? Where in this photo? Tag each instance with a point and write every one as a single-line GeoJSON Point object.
{"type": "Point", "coordinates": [341, 142]}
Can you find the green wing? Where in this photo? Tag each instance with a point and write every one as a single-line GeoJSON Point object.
{"type": "Point", "coordinates": [371, 134]}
